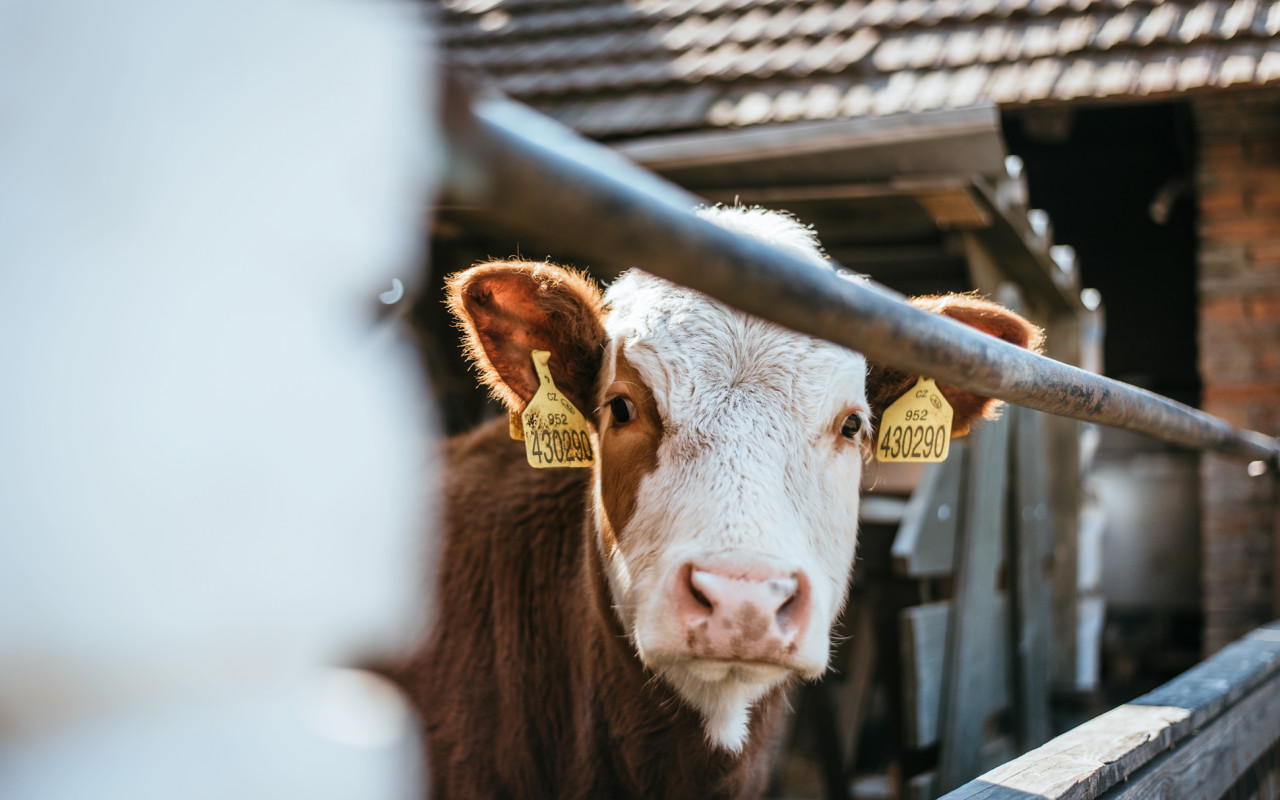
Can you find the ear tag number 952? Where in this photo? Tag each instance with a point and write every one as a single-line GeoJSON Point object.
{"type": "Point", "coordinates": [917, 427]}
{"type": "Point", "coordinates": [554, 430]}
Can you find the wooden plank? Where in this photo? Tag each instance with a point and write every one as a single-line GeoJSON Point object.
{"type": "Point", "coordinates": [1062, 438]}
{"type": "Point", "coordinates": [924, 633]}
{"type": "Point", "coordinates": [1209, 763]}
{"type": "Point", "coordinates": [1030, 546]}
{"type": "Point", "coordinates": [953, 208]}
{"type": "Point", "coordinates": [1024, 257]}
{"type": "Point", "coordinates": [1261, 781]}
{"type": "Point", "coordinates": [961, 141]}
{"type": "Point", "coordinates": [1087, 761]}
{"type": "Point", "coordinates": [926, 540]}
{"type": "Point", "coordinates": [967, 696]}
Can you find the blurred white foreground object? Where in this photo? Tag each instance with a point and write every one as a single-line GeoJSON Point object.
{"type": "Point", "coordinates": [211, 458]}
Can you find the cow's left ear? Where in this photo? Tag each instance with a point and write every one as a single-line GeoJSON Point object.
{"type": "Point", "coordinates": [508, 309]}
{"type": "Point", "coordinates": [884, 384]}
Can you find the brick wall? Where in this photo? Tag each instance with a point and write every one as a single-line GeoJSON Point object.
{"type": "Point", "coordinates": [1238, 183]}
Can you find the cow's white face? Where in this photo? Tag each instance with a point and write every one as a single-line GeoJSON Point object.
{"type": "Point", "coordinates": [727, 493]}
{"type": "Point", "coordinates": [730, 457]}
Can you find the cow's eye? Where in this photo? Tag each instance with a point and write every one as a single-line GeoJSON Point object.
{"type": "Point", "coordinates": [623, 410]}
{"type": "Point", "coordinates": [851, 426]}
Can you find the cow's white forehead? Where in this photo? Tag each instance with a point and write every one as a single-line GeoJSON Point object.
{"type": "Point", "coordinates": [774, 228]}
{"type": "Point", "coordinates": [687, 345]}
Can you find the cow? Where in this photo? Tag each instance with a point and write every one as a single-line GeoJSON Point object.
{"type": "Point", "coordinates": [631, 630]}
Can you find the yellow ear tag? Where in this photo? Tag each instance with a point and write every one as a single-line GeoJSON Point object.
{"type": "Point", "coordinates": [917, 427]}
{"type": "Point", "coordinates": [555, 432]}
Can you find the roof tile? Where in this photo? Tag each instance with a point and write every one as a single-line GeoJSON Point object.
{"type": "Point", "coordinates": [1158, 76]}
{"type": "Point", "coordinates": [628, 67]}
{"type": "Point", "coordinates": [1076, 80]}
{"type": "Point", "coordinates": [1269, 65]}
{"type": "Point", "coordinates": [1157, 25]}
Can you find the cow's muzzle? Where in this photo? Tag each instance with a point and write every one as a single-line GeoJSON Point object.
{"type": "Point", "coordinates": [741, 612]}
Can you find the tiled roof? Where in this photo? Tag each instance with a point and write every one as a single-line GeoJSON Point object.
{"type": "Point", "coordinates": [615, 68]}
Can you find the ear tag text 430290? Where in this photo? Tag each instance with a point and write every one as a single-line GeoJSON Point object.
{"type": "Point", "coordinates": [553, 429]}
{"type": "Point", "coordinates": [916, 427]}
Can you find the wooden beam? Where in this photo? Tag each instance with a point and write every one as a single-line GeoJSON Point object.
{"type": "Point", "coordinates": [1030, 545]}
{"type": "Point", "coordinates": [1214, 759]}
{"type": "Point", "coordinates": [1062, 438]}
{"type": "Point", "coordinates": [1089, 760]}
{"type": "Point", "coordinates": [925, 544]}
{"type": "Point", "coordinates": [967, 138]}
{"type": "Point", "coordinates": [924, 634]}
{"type": "Point", "coordinates": [1023, 258]}
{"type": "Point", "coordinates": [967, 695]}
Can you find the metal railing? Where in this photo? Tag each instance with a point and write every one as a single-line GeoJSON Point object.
{"type": "Point", "coordinates": [531, 175]}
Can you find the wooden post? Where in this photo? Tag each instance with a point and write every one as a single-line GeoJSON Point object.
{"type": "Point", "coordinates": [967, 696]}
{"type": "Point", "coordinates": [1029, 545]}
{"type": "Point", "coordinates": [1062, 438]}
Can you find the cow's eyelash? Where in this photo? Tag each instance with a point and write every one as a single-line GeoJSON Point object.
{"type": "Point", "coordinates": [609, 398]}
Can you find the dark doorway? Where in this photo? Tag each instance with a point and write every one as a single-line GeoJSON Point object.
{"type": "Point", "coordinates": [1118, 184]}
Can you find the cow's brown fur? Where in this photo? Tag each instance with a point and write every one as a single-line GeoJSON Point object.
{"type": "Point", "coordinates": [507, 309]}
{"type": "Point", "coordinates": [529, 687]}
{"type": "Point", "coordinates": [885, 384]}
{"type": "Point", "coordinates": [632, 449]}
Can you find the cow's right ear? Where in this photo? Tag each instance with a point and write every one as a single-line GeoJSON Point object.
{"type": "Point", "coordinates": [508, 309]}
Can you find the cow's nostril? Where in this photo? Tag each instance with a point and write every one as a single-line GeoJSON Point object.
{"type": "Point", "coordinates": [700, 597]}
{"type": "Point", "coordinates": [784, 588]}
{"type": "Point", "coordinates": [786, 610]}
{"type": "Point", "coordinates": [702, 586]}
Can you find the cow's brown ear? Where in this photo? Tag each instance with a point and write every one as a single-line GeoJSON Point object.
{"type": "Point", "coordinates": [884, 384]}
{"type": "Point", "coordinates": [508, 309]}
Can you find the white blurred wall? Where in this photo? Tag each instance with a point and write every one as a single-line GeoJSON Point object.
{"type": "Point", "coordinates": [212, 475]}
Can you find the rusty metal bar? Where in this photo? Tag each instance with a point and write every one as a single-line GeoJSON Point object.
{"type": "Point", "coordinates": [529, 174]}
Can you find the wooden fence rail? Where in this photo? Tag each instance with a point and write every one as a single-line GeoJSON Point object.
{"type": "Point", "coordinates": [1202, 735]}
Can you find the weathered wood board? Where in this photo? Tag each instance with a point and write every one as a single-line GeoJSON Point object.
{"type": "Point", "coordinates": [1210, 762]}
{"type": "Point", "coordinates": [926, 541]}
{"type": "Point", "coordinates": [967, 698]}
{"type": "Point", "coordinates": [1030, 545]}
{"type": "Point", "coordinates": [924, 633]}
{"type": "Point", "coordinates": [1235, 687]}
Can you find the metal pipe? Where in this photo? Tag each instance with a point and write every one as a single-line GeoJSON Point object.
{"type": "Point", "coordinates": [531, 175]}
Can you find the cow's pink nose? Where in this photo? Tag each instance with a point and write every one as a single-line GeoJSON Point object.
{"type": "Point", "coordinates": [742, 614]}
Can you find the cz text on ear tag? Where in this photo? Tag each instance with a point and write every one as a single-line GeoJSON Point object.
{"type": "Point", "coordinates": [917, 427]}
{"type": "Point", "coordinates": [555, 432]}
